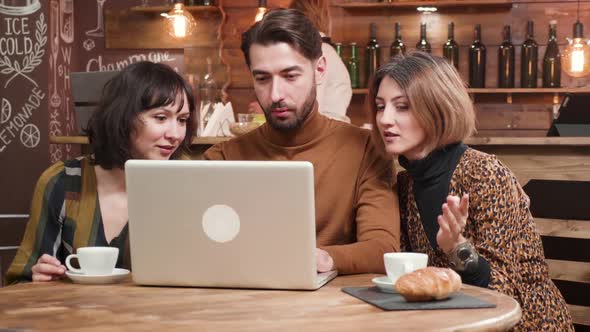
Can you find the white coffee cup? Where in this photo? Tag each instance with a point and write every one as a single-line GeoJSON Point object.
{"type": "Point", "coordinates": [94, 260]}
{"type": "Point", "coordinates": [400, 263]}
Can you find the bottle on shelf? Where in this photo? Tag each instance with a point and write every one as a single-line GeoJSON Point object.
{"type": "Point", "coordinates": [372, 54]}
{"type": "Point", "coordinates": [353, 66]}
{"type": "Point", "coordinates": [451, 48]}
{"type": "Point", "coordinates": [338, 47]}
{"type": "Point", "coordinates": [506, 61]}
{"type": "Point", "coordinates": [529, 59]}
{"type": "Point", "coordinates": [208, 93]}
{"type": "Point", "coordinates": [551, 60]}
{"type": "Point", "coordinates": [397, 46]}
{"type": "Point", "coordinates": [423, 44]}
{"type": "Point", "coordinates": [477, 61]}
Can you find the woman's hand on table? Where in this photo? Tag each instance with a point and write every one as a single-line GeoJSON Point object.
{"type": "Point", "coordinates": [48, 268]}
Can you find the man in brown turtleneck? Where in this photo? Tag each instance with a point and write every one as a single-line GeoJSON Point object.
{"type": "Point", "coordinates": [357, 217]}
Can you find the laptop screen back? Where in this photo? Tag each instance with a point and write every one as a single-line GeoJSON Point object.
{"type": "Point", "coordinates": [222, 223]}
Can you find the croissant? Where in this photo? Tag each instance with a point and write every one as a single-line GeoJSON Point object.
{"type": "Point", "coordinates": [430, 283]}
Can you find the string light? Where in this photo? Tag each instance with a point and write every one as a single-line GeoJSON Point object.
{"type": "Point", "coordinates": [261, 10]}
{"type": "Point", "coordinates": [575, 59]}
{"type": "Point", "coordinates": [179, 22]}
{"type": "Point", "coordinates": [429, 9]}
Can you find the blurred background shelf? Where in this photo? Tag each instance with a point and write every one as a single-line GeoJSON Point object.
{"type": "Point", "coordinates": [510, 90]}
{"type": "Point", "coordinates": [440, 3]}
{"type": "Point", "coordinates": [162, 9]}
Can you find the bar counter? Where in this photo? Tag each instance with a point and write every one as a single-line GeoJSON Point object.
{"type": "Point", "coordinates": [556, 158]}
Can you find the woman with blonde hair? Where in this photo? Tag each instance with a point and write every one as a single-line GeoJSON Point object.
{"type": "Point", "coordinates": [334, 92]}
{"type": "Point", "coordinates": [462, 207]}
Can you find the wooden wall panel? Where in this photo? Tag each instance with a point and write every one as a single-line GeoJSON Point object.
{"type": "Point", "coordinates": [543, 162]}
{"type": "Point", "coordinates": [122, 30]}
{"type": "Point", "coordinates": [240, 98]}
{"type": "Point", "coordinates": [499, 116]}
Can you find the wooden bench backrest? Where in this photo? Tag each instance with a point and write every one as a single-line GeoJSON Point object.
{"type": "Point", "coordinates": [557, 180]}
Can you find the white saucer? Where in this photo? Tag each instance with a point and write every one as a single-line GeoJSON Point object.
{"type": "Point", "coordinates": [385, 285]}
{"type": "Point", "coordinates": [80, 278]}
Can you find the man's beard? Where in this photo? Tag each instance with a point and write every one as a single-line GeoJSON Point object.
{"type": "Point", "coordinates": [300, 117]}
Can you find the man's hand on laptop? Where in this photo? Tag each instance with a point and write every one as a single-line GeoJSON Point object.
{"type": "Point", "coordinates": [323, 260]}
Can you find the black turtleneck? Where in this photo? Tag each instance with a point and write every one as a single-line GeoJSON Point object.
{"type": "Point", "coordinates": [432, 177]}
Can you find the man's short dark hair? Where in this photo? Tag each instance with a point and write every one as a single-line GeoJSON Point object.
{"type": "Point", "coordinates": [139, 87]}
{"type": "Point", "coordinates": [284, 26]}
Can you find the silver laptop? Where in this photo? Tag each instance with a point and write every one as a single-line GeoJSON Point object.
{"type": "Point", "coordinates": [242, 224]}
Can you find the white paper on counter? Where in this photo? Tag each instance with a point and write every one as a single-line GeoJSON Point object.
{"type": "Point", "coordinates": [219, 121]}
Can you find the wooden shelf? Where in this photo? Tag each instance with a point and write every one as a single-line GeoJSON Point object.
{"type": "Point", "coordinates": [438, 4]}
{"type": "Point", "coordinates": [560, 141]}
{"type": "Point", "coordinates": [512, 90]}
{"type": "Point", "coordinates": [531, 90]}
{"type": "Point", "coordinates": [84, 140]}
{"type": "Point", "coordinates": [530, 141]}
{"type": "Point", "coordinates": [162, 9]}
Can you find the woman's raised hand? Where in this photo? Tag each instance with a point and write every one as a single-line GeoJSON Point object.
{"type": "Point", "coordinates": [452, 222]}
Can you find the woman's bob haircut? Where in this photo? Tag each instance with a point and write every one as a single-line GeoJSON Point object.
{"type": "Point", "coordinates": [139, 87]}
{"type": "Point", "coordinates": [437, 96]}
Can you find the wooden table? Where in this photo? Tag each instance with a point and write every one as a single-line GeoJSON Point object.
{"type": "Point", "coordinates": [63, 306]}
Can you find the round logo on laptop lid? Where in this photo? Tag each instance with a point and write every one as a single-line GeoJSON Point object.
{"type": "Point", "coordinates": [221, 223]}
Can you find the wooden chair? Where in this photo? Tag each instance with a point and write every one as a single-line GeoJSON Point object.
{"type": "Point", "coordinates": [562, 215]}
{"type": "Point", "coordinates": [86, 91]}
{"type": "Point", "coordinates": [11, 233]}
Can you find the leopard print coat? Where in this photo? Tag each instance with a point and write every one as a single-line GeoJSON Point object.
{"type": "Point", "coordinates": [503, 231]}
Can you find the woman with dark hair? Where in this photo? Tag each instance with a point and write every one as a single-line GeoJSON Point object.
{"type": "Point", "coordinates": [145, 112]}
{"type": "Point", "coordinates": [462, 207]}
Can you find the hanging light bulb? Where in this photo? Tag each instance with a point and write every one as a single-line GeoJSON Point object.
{"type": "Point", "coordinates": [261, 10]}
{"type": "Point", "coordinates": [179, 22]}
{"type": "Point", "coordinates": [575, 60]}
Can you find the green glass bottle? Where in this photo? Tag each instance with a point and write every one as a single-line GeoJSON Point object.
{"type": "Point", "coordinates": [530, 57]}
{"type": "Point", "coordinates": [551, 60]}
{"type": "Point", "coordinates": [338, 47]}
{"type": "Point", "coordinates": [423, 44]}
{"type": "Point", "coordinates": [451, 48]}
{"type": "Point", "coordinates": [506, 61]}
{"type": "Point", "coordinates": [477, 61]}
{"type": "Point", "coordinates": [353, 67]}
{"type": "Point", "coordinates": [397, 46]}
{"type": "Point", "coordinates": [372, 54]}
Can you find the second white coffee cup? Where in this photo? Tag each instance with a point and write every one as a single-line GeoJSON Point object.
{"type": "Point", "coordinates": [94, 260]}
{"type": "Point", "coordinates": [400, 263]}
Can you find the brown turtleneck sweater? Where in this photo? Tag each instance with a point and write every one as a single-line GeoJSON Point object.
{"type": "Point", "coordinates": [357, 215]}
